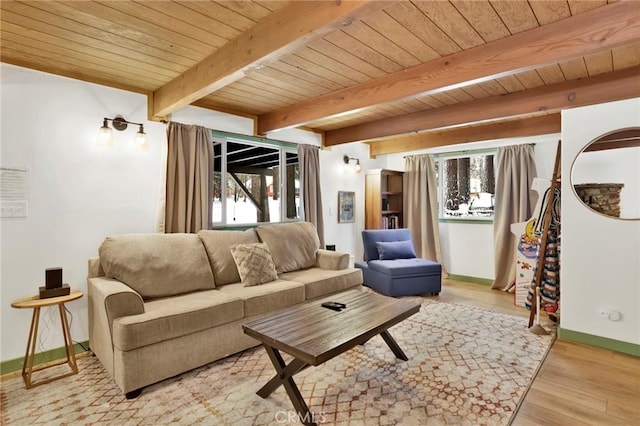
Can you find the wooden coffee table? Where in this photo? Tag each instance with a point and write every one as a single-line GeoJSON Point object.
{"type": "Point", "coordinates": [313, 335]}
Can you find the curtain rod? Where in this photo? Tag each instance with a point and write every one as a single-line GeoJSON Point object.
{"type": "Point", "coordinates": [466, 151]}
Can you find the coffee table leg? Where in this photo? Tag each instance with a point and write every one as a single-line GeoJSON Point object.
{"type": "Point", "coordinates": [393, 345]}
{"type": "Point", "coordinates": [284, 377]}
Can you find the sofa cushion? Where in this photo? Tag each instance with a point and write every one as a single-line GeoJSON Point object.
{"type": "Point", "coordinates": [168, 318]}
{"type": "Point", "coordinates": [157, 265]}
{"type": "Point", "coordinates": [293, 245]}
{"type": "Point", "coordinates": [266, 297]}
{"type": "Point", "coordinates": [218, 245]}
{"type": "Point", "coordinates": [406, 267]}
{"type": "Point", "coordinates": [320, 282]}
{"type": "Point", "coordinates": [254, 263]}
{"type": "Point", "coordinates": [395, 250]}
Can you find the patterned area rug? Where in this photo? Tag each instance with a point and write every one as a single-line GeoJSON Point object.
{"type": "Point", "coordinates": [467, 366]}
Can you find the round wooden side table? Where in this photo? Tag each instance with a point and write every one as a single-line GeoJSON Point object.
{"type": "Point", "coordinates": [35, 303]}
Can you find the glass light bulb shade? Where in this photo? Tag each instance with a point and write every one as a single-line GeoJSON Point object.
{"type": "Point", "coordinates": [357, 167]}
{"type": "Point", "coordinates": [140, 140]}
{"type": "Point", "coordinates": [105, 136]}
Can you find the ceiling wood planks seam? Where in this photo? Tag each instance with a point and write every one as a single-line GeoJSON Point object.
{"type": "Point", "coordinates": [272, 37]}
{"type": "Point", "coordinates": [614, 25]}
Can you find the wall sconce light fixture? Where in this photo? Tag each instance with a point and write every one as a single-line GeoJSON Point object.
{"type": "Point", "coordinates": [105, 134]}
{"type": "Point", "coordinates": [351, 164]}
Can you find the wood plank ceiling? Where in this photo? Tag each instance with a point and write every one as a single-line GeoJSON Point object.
{"type": "Point", "coordinates": [356, 71]}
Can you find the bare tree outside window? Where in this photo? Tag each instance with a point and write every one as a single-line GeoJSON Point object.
{"type": "Point", "coordinates": [256, 189]}
{"type": "Point", "coordinates": [467, 186]}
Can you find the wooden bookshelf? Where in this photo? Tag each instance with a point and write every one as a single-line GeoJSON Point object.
{"type": "Point", "coordinates": [383, 199]}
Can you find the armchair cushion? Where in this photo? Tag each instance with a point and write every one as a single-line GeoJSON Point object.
{"type": "Point", "coordinates": [395, 250]}
{"type": "Point", "coordinates": [371, 236]}
{"type": "Point", "coordinates": [405, 267]}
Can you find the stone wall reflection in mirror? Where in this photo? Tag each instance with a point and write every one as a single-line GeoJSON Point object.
{"type": "Point", "coordinates": [606, 174]}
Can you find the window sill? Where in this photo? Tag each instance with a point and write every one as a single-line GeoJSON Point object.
{"type": "Point", "coordinates": [479, 221]}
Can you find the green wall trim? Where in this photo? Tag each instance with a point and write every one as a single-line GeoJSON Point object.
{"type": "Point", "coordinates": [601, 342]}
{"type": "Point", "coordinates": [248, 138]}
{"type": "Point", "coordinates": [474, 221]}
{"type": "Point", "coordinates": [41, 357]}
{"type": "Point", "coordinates": [475, 280]}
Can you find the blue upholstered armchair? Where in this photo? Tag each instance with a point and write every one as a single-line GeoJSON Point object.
{"type": "Point", "coordinates": [391, 267]}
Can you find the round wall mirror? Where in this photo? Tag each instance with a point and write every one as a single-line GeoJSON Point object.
{"type": "Point", "coordinates": [606, 174]}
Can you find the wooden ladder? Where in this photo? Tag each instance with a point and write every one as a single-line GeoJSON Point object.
{"type": "Point", "coordinates": [548, 214]}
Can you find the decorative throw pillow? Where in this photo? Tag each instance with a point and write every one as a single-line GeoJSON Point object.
{"type": "Point", "coordinates": [254, 263]}
{"type": "Point", "coordinates": [395, 250]}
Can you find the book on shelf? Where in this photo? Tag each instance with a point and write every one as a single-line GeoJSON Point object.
{"type": "Point", "coordinates": [390, 222]}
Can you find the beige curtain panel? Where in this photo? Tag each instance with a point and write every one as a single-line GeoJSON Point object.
{"type": "Point", "coordinates": [514, 201]}
{"type": "Point", "coordinates": [421, 205]}
{"type": "Point", "coordinates": [189, 178]}
{"type": "Point", "coordinates": [309, 158]}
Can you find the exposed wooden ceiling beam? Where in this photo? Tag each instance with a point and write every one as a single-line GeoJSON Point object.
{"type": "Point", "coordinates": [534, 126]}
{"type": "Point", "coordinates": [601, 28]}
{"type": "Point", "coordinates": [278, 34]}
{"type": "Point", "coordinates": [608, 87]}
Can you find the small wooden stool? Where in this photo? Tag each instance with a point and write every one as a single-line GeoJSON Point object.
{"type": "Point", "coordinates": [36, 303]}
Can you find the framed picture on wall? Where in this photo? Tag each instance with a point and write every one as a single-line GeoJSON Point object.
{"type": "Point", "coordinates": [346, 206]}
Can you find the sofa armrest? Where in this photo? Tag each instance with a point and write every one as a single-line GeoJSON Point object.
{"type": "Point", "coordinates": [117, 299]}
{"type": "Point", "coordinates": [332, 260]}
{"type": "Point", "coordinates": [108, 299]}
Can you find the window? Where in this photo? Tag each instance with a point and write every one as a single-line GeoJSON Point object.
{"type": "Point", "coordinates": [254, 182]}
{"type": "Point", "coordinates": [466, 186]}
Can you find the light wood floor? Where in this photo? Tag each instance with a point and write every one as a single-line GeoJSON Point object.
{"type": "Point", "coordinates": [577, 384]}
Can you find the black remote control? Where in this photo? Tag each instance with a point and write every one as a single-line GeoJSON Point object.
{"type": "Point", "coordinates": [336, 306]}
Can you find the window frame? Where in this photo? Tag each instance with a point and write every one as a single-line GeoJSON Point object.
{"type": "Point", "coordinates": [440, 158]}
{"type": "Point", "coordinates": [283, 147]}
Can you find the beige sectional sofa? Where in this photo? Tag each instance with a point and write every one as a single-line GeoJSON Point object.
{"type": "Point", "coordinates": [163, 304]}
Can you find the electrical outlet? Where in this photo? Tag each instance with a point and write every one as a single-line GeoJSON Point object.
{"type": "Point", "coordinates": [610, 314]}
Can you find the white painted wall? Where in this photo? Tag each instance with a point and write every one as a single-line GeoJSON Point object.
{"type": "Point", "coordinates": [78, 193]}
{"type": "Point", "coordinates": [600, 256]}
{"type": "Point", "coordinates": [467, 248]}
{"type": "Point", "coordinates": [213, 120]}
{"type": "Point", "coordinates": [346, 236]}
